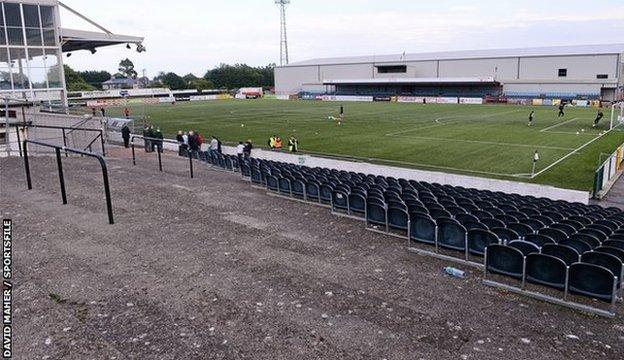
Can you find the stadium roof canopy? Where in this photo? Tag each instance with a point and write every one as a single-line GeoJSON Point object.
{"type": "Point", "coordinates": [73, 40]}
{"type": "Point", "coordinates": [472, 54]}
{"type": "Point", "coordinates": [462, 81]}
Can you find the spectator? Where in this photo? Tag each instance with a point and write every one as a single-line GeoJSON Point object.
{"type": "Point", "coordinates": [182, 146]}
{"type": "Point", "coordinates": [247, 149]}
{"type": "Point", "coordinates": [103, 111]}
{"type": "Point", "coordinates": [272, 142]}
{"type": "Point", "coordinates": [200, 140]}
{"type": "Point", "coordinates": [125, 134]}
{"type": "Point", "coordinates": [278, 143]}
{"type": "Point", "coordinates": [240, 149]}
{"type": "Point", "coordinates": [219, 146]}
{"type": "Point", "coordinates": [146, 141]}
{"type": "Point", "coordinates": [93, 111]}
{"type": "Point", "coordinates": [159, 143]}
{"type": "Point", "coordinates": [127, 113]}
{"type": "Point", "coordinates": [185, 138]}
{"type": "Point", "coordinates": [192, 143]}
{"type": "Point", "coordinates": [150, 134]}
{"type": "Point", "coordinates": [293, 144]}
{"type": "Point", "coordinates": [214, 146]}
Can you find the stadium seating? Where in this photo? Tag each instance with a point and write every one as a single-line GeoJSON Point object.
{"type": "Point", "coordinates": [537, 240]}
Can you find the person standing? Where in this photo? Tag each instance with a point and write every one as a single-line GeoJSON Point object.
{"type": "Point", "coordinates": [159, 143]}
{"type": "Point", "coordinates": [214, 146]}
{"type": "Point", "coordinates": [146, 141]}
{"type": "Point", "coordinates": [342, 115]}
{"type": "Point", "coordinates": [103, 111]}
{"type": "Point", "coordinates": [278, 143]}
{"type": "Point", "coordinates": [561, 108]}
{"type": "Point", "coordinates": [599, 117]}
{"type": "Point", "coordinates": [93, 111]}
{"type": "Point", "coordinates": [127, 113]}
{"type": "Point", "coordinates": [293, 144]}
{"type": "Point", "coordinates": [182, 147]}
{"type": "Point", "coordinates": [531, 117]}
{"type": "Point", "coordinates": [125, 134]}
{"type": "Point", "coordinates": [240, 149]}
{"type": "Point", "coordinates": [247, 149]}
{"type": "Point", "coordinates": [150, 134]}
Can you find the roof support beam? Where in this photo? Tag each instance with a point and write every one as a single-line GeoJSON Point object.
{"type": "Point", "coordinates": [85, 18]}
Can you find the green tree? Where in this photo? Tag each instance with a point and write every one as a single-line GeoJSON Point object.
{"type": "Point", "coordinates": [74, 81]}
{"type": "Point", "coordinates": [241, 75]}
{"type": "Point", "coordinates": [95, 78]}
{"type": "Point", "coordinates": [201, 84]}
{"type": "Point", "coordinates": [189, 78]}
{"type": "Point", "coordinates": [173, 81]}
{"type": "Point", "coordinates": [126, 68]}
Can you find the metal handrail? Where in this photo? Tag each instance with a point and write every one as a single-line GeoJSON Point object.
{"type": "Point", "coordinates": [59, 163]}
{"type": "Point", "coordinates": [157, 151]}
{"type": "Point", "coordinates": [63, 128]}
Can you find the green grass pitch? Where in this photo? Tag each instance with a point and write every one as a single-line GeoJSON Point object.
{"type": "Point", "coordinates": [482, 140]}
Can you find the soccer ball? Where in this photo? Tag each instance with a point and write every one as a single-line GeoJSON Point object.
{"type": "Point", "coordinates": [242, 125]}
{"type": "Point", "coordinates": [578, 133]}
{"type": "Point", "coordinates": [583, 130]}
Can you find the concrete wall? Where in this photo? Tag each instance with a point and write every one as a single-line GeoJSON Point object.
{"type": "Point", "coordinates": [410, 174]}
{"type": "Point", "coordinates": [289, 80]}
{"type": "Point", "coordinates": [579, 67]}
{"type": "Point", "coordinates": [507, 68]}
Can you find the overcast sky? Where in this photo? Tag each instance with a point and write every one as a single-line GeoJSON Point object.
{"type": "Point", "coordinates": [195, 35]}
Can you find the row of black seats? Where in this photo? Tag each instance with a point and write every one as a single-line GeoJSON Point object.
{"type": "Point", "coordinates": [467, 220]}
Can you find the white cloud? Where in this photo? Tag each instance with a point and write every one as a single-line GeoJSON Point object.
{"type": "Point", "coordinates": [194, 35]}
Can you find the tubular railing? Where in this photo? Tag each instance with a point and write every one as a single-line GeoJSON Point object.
{"type": "Point", "coordinates": [158, 151]}
{"type": "Point", "coordinates": [66, 131]}
{"type": "Point", "coordinates": [59, 164]}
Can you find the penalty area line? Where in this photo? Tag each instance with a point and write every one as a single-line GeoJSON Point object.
{"type": "Point", "coordinates": [571, 153]}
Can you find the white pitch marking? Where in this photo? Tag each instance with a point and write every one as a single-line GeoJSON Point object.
{"type": "Point", "coordinates": [572, 153]}
{"type": "Point", "coordinates": [487, 142]}
{"type": "Point", "coordinates": [558, 124]}
{"type": "Point", "coordinates": [345, 157]}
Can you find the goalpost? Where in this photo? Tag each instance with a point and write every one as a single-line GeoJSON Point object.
{"type": "Point", "coordinates": [617, 114]}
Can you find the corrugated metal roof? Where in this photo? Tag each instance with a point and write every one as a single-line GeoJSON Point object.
{"type": "Point", "coordinates": [471, 54]}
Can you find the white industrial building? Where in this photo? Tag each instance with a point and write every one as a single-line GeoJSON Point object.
{"type": "Point", "coordinates": [566, 72]}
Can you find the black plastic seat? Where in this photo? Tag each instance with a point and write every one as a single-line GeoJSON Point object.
{"type": "Point", "coordinates": [422, 228]}
{"type": "Point", "coordinates": [539, 240]}
{"type": "Point", "coordinates": [567, 254]}
{"type": "Point", "coordinates": [522, 229]}
{"type": "Point", "coordinates": [578, 245]}
{"type": "Point", "coordinates": [504, 260]}
{"type": "Point", "coordinates": [555, 234]}
{"type": "Point", "coordinates": [592, 280]}
{"type": "Point", "coordinates": [546, 270]}
{"type": "Point", "coordinates": [524, 246]}
{"type": "Point", "coordinates": [506, 235]}
{"type": "Point", "coordinates": [397, 218]}
{"type": "Point", "coordinates": [451, 234]}
{"type": "Point", "coordinates": [479, 239]}
{"type": "Point", "coordinates": [376, 214]}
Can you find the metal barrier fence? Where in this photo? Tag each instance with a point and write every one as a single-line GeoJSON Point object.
{"type": "Point", "coordinates": [158, 150]}
{"type": "Point", "coordinates": [65, 131]}
{"type": "Point", "coordinates": [59, 163]}
{"type": "Point", "coordinates": [608, 170]}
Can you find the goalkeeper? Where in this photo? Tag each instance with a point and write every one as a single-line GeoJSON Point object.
{"type": "Point", "coordinates": [599, 117]}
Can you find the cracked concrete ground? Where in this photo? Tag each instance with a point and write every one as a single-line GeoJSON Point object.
{"type": "Point", "coordinates": [211, 268]}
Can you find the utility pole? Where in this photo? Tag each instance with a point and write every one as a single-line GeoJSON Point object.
{"type": "Point", "coordinates": [283, 36]}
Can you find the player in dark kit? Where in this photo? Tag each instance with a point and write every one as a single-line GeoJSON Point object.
{"type": "Point", "coordinates": [561, 108]}
{"type": "Point", "coordinates": [531, 117]}
{"type": "Point", "coordinates": [599, 116]}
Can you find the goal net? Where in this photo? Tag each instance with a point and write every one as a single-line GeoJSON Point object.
{"type": "Point", "coordinates": [617, 114]}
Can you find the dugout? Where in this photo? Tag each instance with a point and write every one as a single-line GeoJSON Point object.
{"type": "Point", "coordinates": [452, 87]}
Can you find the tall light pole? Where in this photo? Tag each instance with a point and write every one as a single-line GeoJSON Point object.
{"type": "Point", "coordinates": [283, 37]}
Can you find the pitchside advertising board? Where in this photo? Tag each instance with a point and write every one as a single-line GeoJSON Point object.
{"type": "Point", "coordinates": [346, 98]}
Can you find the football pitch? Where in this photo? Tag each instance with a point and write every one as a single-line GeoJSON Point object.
{"type": "Point", "coordinates": [482, 140]}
